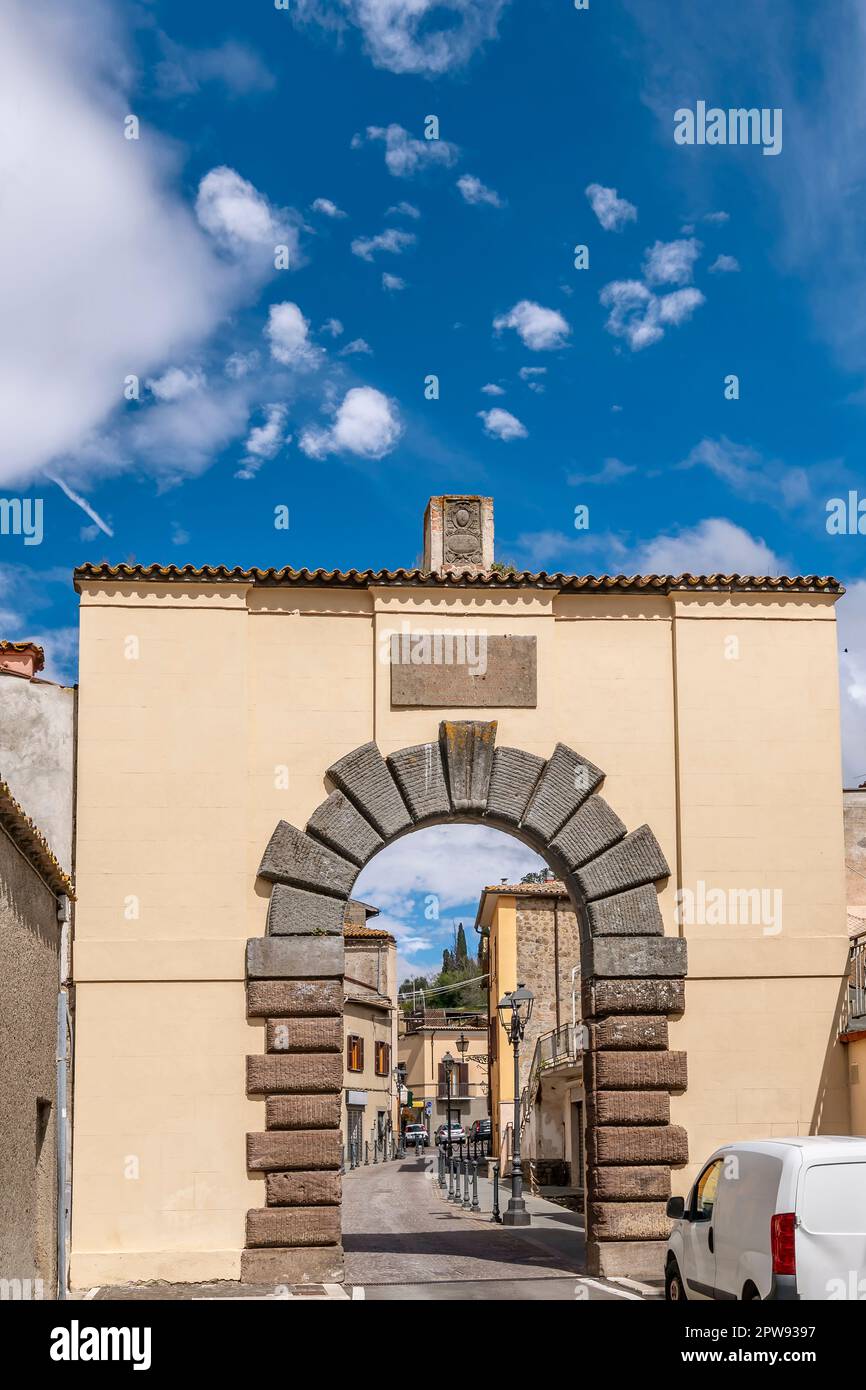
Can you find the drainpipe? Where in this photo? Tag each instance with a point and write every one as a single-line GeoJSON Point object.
{"type": "Point", "coordinates": [574, 971]}
{"type": "Point", "coordinates": [61, 1113]}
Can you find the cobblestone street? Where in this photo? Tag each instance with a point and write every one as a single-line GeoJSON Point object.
{"type": "Point", "coordinates": [403, 1240]}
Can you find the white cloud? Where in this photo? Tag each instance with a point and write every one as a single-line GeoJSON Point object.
{"type": "Point", "coordinates": [500, 424]}
{"type": "Point", "coordinates": [671, 262]}
{"type": "Point", "coordinates": [184, 71]}
{"type": "Point", "coordinates": [717, 217]}
{"type": "Point", "coordinates": [392, 282]}
{"type": "Point", "coordinates": [327, 208]}
{"type": "Point", "coordinates": [491, 389]}
{"type": "Point", "coordinates": [83, 504]}
{"type": "Point", "coordinates": [640, 317]}
{"type": "Point", "coordinates": [612, 471]}
{"type": "Point", "coordinates": [175, 383]}
{"type": "Point", "coordinates": [289, 335]}
{"type": "Point", "coordinates": [531, 376]}
{"type": "Point", "coordinates": [410, 36]}
{"type": "Point", "coordinates": [612, 211]}
{"type": "Point", "coordinates": [367, 423]}
{"type": "Point", "coordinates": [264, 441]}
{"type": "Point", "coordinates": [392, 239]}
{"type": "Point", "coordinates": [404, 155]}
{"type": "Point", "coordinates": [240, 218]}
{"type": "Point", "coordinates": [132, 263]}
{"type": "Point", "coordinates": [357, 345]}
{"type": "Point", "coordinates": [475, 192]}
{"type": "Point", "coordinates": [404, 210]}
{"type": "Point", "coordinates": [724, 265]}
{"type": "Point", "coordinates": [539, 329]}
{"type": "Point", "coordinates": [713, 546]}
{"type": "Point", "coordinates": [240, 364]}
{"type": "Point", "coordinates": [332, 326]}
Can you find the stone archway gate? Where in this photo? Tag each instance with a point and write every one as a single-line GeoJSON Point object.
{"type": "Point", "coordinates": [632, 979]}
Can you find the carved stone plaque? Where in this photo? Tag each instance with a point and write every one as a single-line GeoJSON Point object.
{"type": "Point", "coordinates": [463, 670]}
{"type": "Point", "coordinates": [461, 543]}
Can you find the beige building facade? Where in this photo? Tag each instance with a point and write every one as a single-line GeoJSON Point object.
{"type": "Point", "coordinates": [424, 1041]}
{"type": "Point", "coordinates": [370, 1094]}
{"type": "Point", "coordinates": [212, 705]}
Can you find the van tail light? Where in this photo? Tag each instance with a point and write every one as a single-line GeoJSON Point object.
{"type": "Point", "coordinates": [782, 1243]}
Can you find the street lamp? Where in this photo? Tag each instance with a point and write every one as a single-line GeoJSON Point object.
{"type": "Point", "coordinates": [400, 1080]}
{"type": "Point", "coordinates": [515, 1011]}
{"type": "Point", "coordinates": [449, 1064]}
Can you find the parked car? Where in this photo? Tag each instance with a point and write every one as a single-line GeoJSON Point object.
{"type": "Point", "coordinates": [415, 1134]}
{"type": "Point", "coordinates": [479, 1129]}
{"type": "Point", "coordinates": [457, 1133]}
{"type": "Point", "coordinates": [774, 1219]}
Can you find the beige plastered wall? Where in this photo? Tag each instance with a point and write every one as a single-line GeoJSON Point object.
{"type": "Point", "coordinates": [210, 711]}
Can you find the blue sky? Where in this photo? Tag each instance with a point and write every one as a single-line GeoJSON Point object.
{"type": "Point", "coordinates": [153, 258]}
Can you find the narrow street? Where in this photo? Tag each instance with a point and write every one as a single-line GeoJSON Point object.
{"type": "Point", "coordinates": [404, 1240]}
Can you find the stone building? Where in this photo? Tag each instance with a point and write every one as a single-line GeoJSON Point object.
{"type": "Point", "coordinates": [853, 1024]}
{"type": "Point", "coordinates": [533, 939]}
{"type": "Point", "coordinates": [370, 1097]}
{"type": "Point", "coordinates": [424, 1040]}
{"type": "Point", "coordinates": [34, 894]}
{"type": "Point", "coordinates": [656, 738]}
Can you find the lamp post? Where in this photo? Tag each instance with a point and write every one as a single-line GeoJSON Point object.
{"type": "Point", "coordinates": [400, 1081]}
{"type": "Point", "coordinates": [515, 1011]}
{"type": "Point", "coordinates": [448, 1063]}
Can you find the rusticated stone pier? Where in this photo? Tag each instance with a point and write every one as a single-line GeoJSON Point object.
{"type": "Point", "coordinates": [632, 979]}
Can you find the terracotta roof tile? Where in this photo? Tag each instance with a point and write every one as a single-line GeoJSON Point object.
{"type": "Point", "coordinates": [354, 931]}
{"type": "Point", "coordinates": [553, 887]}
{"type": "Point", "coordinates": [491, 579]}
{"type": "Point", "coordinates": [38, 664]}
{"type": "Point", "coordinates": [32, 843]}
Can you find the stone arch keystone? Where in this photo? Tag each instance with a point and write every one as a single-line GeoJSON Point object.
{"type": "Point", "coordinates": [632, 980]}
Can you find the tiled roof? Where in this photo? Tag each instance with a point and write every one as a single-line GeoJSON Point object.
{"type": "Point", "coordinates": [553, 887]}
{"type": "Point", "coordinates": [491, 579]}
{"type": "Point", "coordinates": [25, 647]}
{"type": "Point", "coordinates": [32, 843]}
{"type": "Point", "coordinates": [354, 931]}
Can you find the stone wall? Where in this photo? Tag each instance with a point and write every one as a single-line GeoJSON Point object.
{"type": "Point", "coordinates": [548, 947]}
{"type": "Point", "coordinates": [29, 944]}
{"type": "Point", "coordinates": [37, 743]}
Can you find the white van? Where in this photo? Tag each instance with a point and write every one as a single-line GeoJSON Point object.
{"type": "Point", "coordinates": [774, 1219]}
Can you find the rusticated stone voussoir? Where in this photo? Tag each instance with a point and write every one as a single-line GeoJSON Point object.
{"type": "Point", "coordinates": [297, 912]}
{"type": "Point", "coordinates": [303, 1112]}
{"type": "Point", "coordinates": [281, 1150]}
{"type": "Point", "coordinates": [636, 996]}
{"type": "Point", "coordinates": [419, 774]}
{"type": "Point", "coordinates": [633, 913]}
{"type": "Point", "coordinates": [637, 1071]}
{"type": "Point", "coordinates": [565, 783]}
{"type": "Point", "coordinates": [294, 998]}
{"type": "Point", "coordinates": [340, 826]}
{"type": "Point", "coordinates": [636, 860]}
{"type": "Point", "coordinates": [305, 1035]}
{"type": "Point", "coordinates": [467, 755]}
{"type": "Point", "coordinates": [293, 857]}
{"type": "Point", "coordinates": [593, 829]}
{"type": "Point", "coordinates": [293, 1226]}
{"type": "Point", "coordinates": [366, 779]}
{"type": "Point", "coordinates": [512, 783]}
{"type": "Point", "coordinates": [307, 1073]}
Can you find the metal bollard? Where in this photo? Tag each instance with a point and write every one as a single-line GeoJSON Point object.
{"type": "Point", "coordinates": [441, 1170]}
{"type": "Point", "coordinates": [454, 1181]}
{"type": "Point", "coordinates": [496, 1215]}
{"type": "Point", "coordinates": [375, 1151]}
{"type": "Point", "coordinates": [466, 1202]}
{"type": "Point", "coordinates": [450, 1168]}
{"type": "Point", "coordinates": [475, 1204]}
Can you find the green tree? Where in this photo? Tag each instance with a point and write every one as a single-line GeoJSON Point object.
{"type": "Point", "coordinates": [461, 954]}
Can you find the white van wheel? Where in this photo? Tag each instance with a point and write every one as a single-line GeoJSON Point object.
{"type": "Point", "coordinates": [674, 1291]}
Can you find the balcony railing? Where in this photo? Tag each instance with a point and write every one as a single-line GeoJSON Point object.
{"type": "Point", "coordinates": [855, 1006]}
{"type": "Point", "coordinates": [561, 1047]}
{"type": "Point", "coordinates": [460, 1090]}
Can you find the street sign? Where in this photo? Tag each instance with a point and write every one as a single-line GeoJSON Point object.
{"type": "Point", "coordinates": [417, 1104]}
{"type": "Point", "coordinates": [428, 1107]}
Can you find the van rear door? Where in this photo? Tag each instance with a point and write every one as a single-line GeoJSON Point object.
{"type": "Point", "coordinates": [830, 1239]}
